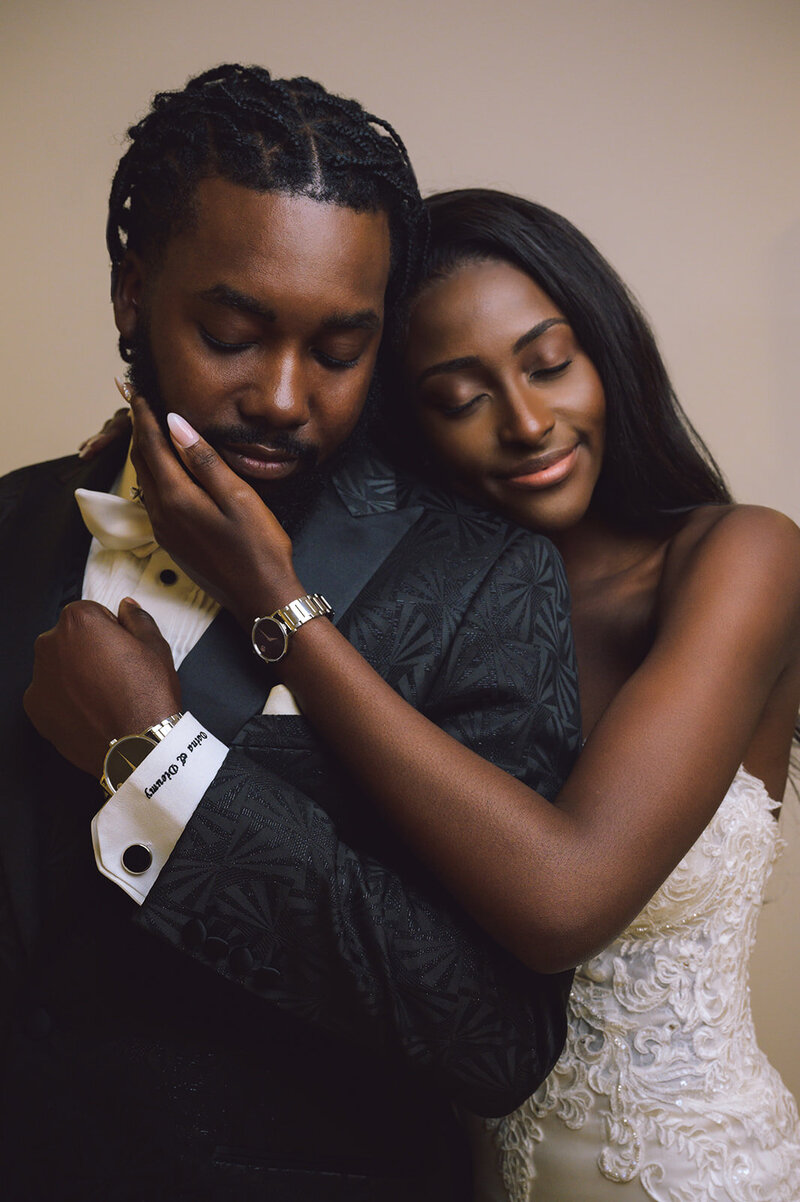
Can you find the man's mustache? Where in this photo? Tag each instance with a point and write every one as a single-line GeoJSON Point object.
{"type": "Point", "coordinates": [261, 433]}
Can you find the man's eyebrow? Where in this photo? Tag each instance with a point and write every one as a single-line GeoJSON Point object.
{"type": "Point", "coordinates": [232, 298]}
{"type": "Point", "coordinates": [453, 365]}
{"type": "Point", "coordinates": [363, 319]}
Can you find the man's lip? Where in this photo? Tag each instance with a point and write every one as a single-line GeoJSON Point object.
{"type": "Point", "coordinates": [256, 459]}
{"type": "Point", "coordinates": [542, 470]}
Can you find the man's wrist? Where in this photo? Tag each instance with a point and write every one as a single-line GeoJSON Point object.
{"type": "Point", "coordinates": [271, 633]}
{"type": "Point", "coordinates": [269, 597]}
{"type": "Point", "coordinates": [136, 830]}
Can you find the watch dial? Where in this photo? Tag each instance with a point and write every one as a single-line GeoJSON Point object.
{"type": "Point", "coordinates": [270, 639]}
{"type": "Point", "coordinates": [125, 757]}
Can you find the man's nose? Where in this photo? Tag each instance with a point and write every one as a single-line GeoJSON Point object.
{"type": "Point", "coordinates": [525, 416]}
{"type": "Point", "coordinates": [278, 393]}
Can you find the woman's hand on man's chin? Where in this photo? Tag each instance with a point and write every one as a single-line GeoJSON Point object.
{"type": "Point", "coordinates": [210, 521]}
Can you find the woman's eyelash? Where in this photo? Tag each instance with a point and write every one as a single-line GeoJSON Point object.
{"type": "Point", "coordinates": [545, 372]}
{"type": "Point", "coordinates": [457, 410]}
{"type": "Point", "coordinates": [537, 373]}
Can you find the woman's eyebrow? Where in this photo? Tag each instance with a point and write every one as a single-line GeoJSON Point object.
{"type": "Point", "coordinates": [536, 332]}
{"type": "Point", "coordinates": [448, 365]}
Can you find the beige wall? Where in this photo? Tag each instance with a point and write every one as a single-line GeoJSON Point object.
{"type": "Point", "coordinates": [666, 130]}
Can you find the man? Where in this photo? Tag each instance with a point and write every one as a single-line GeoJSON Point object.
{"type": "Point", "coordinates": [262, 234]}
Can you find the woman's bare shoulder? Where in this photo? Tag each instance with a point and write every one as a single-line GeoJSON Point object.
{"type": "Point", "coordinates": [749, 551]}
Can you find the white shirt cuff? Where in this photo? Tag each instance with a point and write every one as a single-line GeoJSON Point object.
{"type": "Point", "coordinates": [141, 823]}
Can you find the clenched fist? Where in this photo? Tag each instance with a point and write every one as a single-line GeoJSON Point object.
{"type": "Point", "coordinates": [97, 677]}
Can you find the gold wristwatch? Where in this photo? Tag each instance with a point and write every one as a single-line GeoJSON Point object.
{"type": "Point", "coordinates": [270, 635]}
{"type": "Point", "coordinates": [126, 754]}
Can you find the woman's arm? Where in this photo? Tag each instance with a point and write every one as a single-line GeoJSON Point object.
{"type": "Point", "coordinates": [553, 884]}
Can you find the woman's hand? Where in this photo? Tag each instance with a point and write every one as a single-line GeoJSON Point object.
{"type": "Point", "coordinates": [211, 522]}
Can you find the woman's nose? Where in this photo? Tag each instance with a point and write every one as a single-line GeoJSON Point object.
{"type": "Point", "coordinates": [525, 416]}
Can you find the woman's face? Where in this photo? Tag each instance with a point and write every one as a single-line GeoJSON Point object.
{"type": "Point", "coordinates": [512, 407]}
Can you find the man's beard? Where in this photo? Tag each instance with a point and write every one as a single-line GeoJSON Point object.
{"type": "Point", "coordinates": [291, 500]}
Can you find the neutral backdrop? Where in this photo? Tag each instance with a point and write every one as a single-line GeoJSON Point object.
{"type": "Point", "coordinates": [666, 129]}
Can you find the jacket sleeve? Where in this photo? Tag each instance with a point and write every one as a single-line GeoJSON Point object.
{"type": "Point", "coordinates": [272, 888]}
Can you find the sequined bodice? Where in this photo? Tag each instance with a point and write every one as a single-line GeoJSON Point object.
{"type": "Point", "coordinates": [661, 1060]}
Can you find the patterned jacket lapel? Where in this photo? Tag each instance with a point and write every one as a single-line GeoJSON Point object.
{"type": "Point", "coordinates": [357, 524]}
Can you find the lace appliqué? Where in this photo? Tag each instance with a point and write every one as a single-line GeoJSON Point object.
{"type": "Point", "coordinates": [661, 1041]}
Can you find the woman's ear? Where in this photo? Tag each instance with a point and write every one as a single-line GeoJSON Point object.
{"type": "Point", "coordinates": [127, 297]}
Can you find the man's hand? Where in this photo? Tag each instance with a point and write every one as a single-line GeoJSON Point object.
{"type": "Point", "coordinates": [97, 677]}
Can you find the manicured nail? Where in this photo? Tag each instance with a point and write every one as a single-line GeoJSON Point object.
{"type": "Point", "coordinates": [125, 390]}
{"type": "Point", "coordinates": [182, 433]}
{"type": "Point", "coordinates": [132, 601]}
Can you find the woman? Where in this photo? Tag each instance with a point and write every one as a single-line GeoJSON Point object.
{"type": "Point", "coordinates": [540, 392]}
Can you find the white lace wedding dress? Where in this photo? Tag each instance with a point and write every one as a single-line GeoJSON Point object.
{"type": "Point", "coordinates": [661, 1092]}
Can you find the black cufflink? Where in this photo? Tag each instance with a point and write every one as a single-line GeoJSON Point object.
{"type": "Point", "coordinates": [136, 859]}
{"type": "Point", "coordinates": [168, 576]}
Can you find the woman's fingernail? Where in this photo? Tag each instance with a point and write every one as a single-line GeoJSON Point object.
{"type": "Point", "coordinates": [125, 390]}
{"type": "Point", "coordinates": [182, 433]}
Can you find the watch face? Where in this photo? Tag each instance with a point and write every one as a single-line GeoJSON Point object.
{"type": "Point", "coordinates": [124, 757]}
{"type": "Point", "coordinates": [270, 639]}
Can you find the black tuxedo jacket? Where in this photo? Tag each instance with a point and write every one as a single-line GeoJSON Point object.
{"type": "Point", "coordinates": [312, 999]}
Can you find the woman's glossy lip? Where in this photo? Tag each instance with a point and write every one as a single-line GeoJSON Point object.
{"type": "Point", "coordinates": [544, 471]}
{"type": "Point", "coordinates": [262, 463]}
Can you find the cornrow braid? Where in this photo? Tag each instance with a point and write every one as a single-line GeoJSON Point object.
{"type": "Point", "coordinates": [282, 135]}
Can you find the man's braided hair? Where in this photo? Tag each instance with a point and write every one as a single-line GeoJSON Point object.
{"type": "Point", "coordinates": [277, 135]}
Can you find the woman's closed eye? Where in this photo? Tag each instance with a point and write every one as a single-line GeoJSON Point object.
{"type": "Point", "coordinates": [548, 373]}
{"type": "Point", "coordinates": [460, 409]}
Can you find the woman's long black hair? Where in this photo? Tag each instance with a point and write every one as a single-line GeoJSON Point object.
{"type": "Point", "coordinates": [655, 462]}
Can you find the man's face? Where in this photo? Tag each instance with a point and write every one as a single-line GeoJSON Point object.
{"type": "Point", "coordinates": [260, 324]}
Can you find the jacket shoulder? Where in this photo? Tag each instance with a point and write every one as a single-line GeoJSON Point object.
{"type": "Point", "coordinates": [463, 526]}
{"type": "Point", "coordinates": [25, 484]}
{"type": "Point", "coordinates": [20, 477]}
